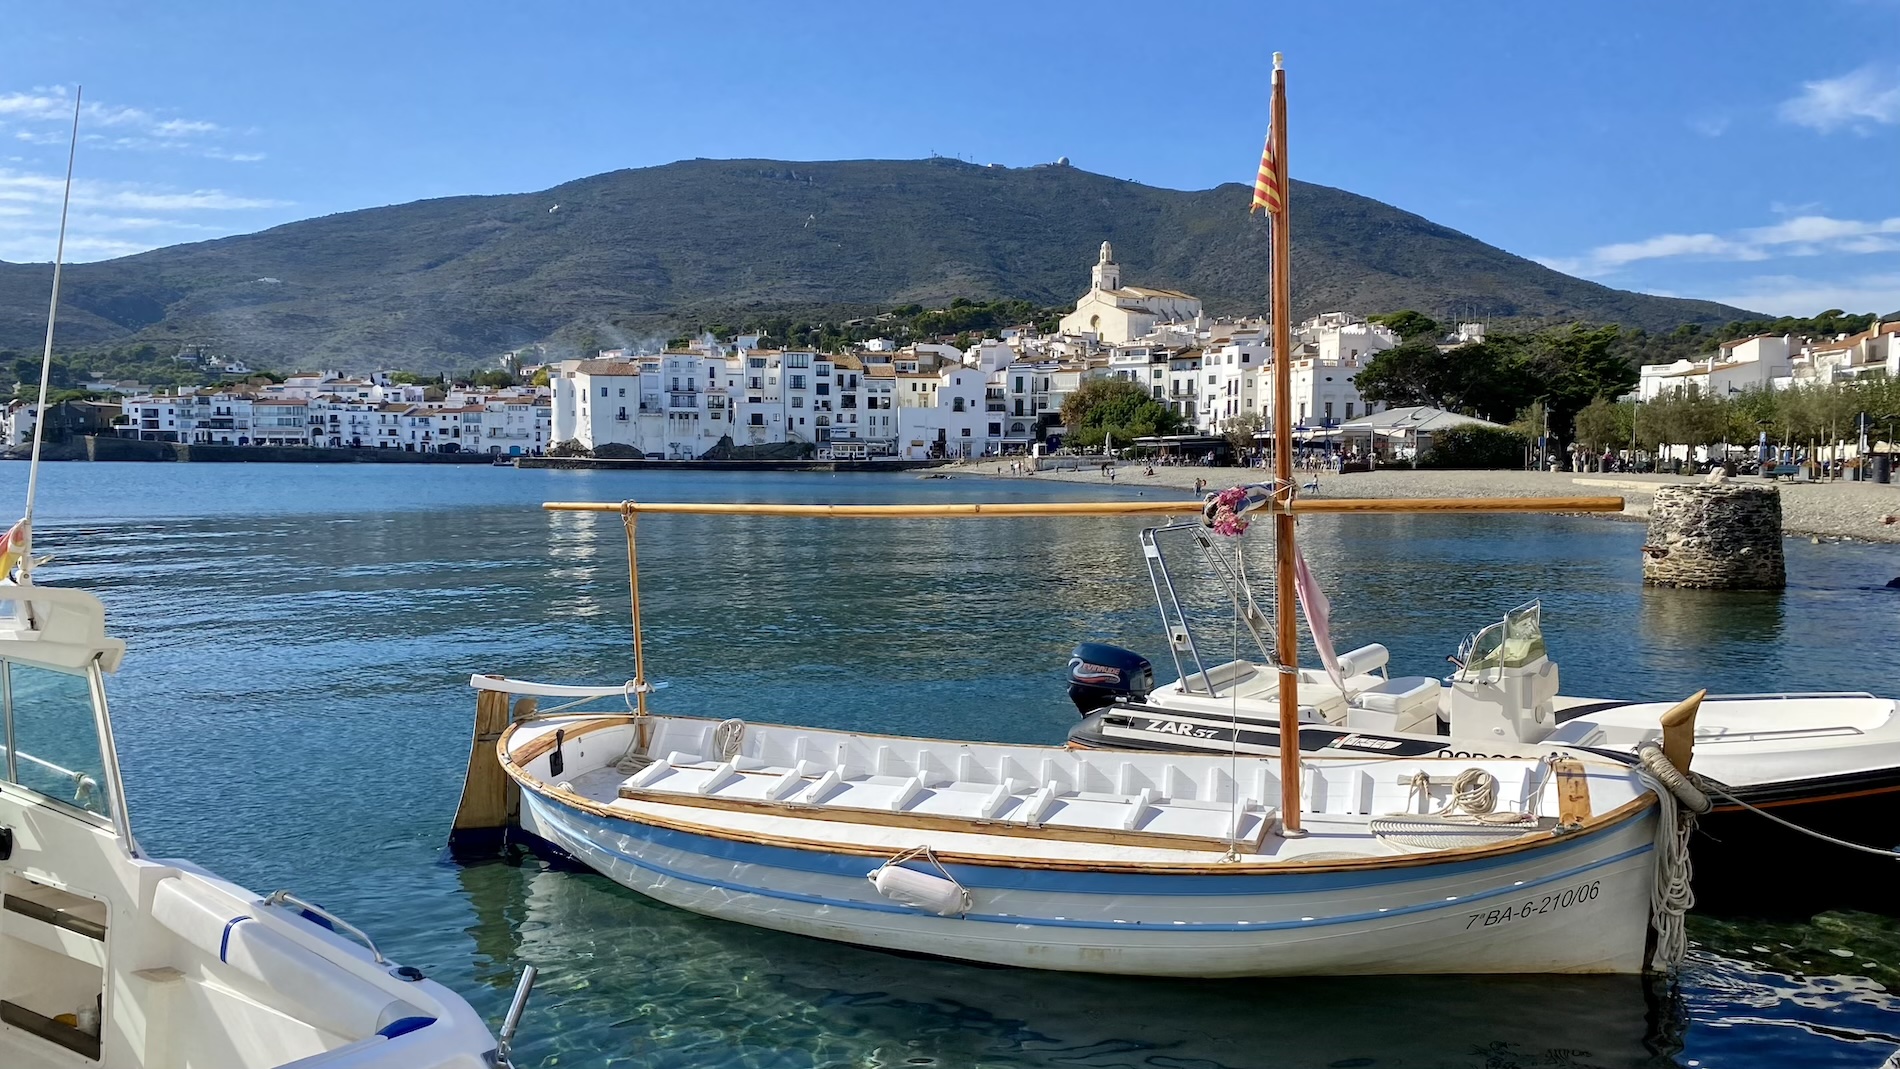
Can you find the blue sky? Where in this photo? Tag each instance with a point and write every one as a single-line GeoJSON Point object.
{"type": "Point", "coordinates": [1743, 151]}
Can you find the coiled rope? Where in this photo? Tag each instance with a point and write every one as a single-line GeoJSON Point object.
{"type": "Point", "coordinates": [1671, 895]}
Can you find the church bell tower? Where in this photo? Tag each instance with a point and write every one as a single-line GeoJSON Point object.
{"type": "Point", "coordinates": [1106, 276]}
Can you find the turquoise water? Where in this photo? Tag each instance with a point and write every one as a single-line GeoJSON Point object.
{"type": "Point", "coordinates": [294, 713]}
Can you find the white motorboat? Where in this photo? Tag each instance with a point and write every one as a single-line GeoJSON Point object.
{"type": "Point", "coordinates": [1829, 762]}
{"type": "Point", "coordinates": [112, 958]}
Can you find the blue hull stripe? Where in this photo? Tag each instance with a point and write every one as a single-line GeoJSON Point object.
{"type": "Point", "coordinates": [996, 878]}
{"type": "Point", "coordinates": [224, 943]}
{"type": "Point", "coordinates": [1454, 903]}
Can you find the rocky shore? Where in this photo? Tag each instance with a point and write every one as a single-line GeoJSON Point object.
{"type": "Point", "coordinates": [1865, 511]}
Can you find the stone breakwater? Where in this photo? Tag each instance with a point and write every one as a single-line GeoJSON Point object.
{"type": "Point", "coordinates": [1829, 510]}
{"type": "Point", "coordinates": [1719, 537]}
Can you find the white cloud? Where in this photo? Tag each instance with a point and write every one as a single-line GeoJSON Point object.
{"type": "Point", "coordinates": [109, 218]}
{"type": "Point", "coordinates": [1867, 95]}
{"type": "Point", "coordinates": [1802, 235]}
{"type": "Point", "coordinates": [1792, 295]}
{"type": "Point", "coordinates": [44, 116]}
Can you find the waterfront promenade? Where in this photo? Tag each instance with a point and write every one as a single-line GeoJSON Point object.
{"type": "Point", "coordinates": [1830, 510]}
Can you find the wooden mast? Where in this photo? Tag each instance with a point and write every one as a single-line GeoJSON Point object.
{"type": "Point", "coordinates": [1287, 640]}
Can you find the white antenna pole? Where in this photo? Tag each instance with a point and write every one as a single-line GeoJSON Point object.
{"type": "Point", "coordinates": [46, 356]}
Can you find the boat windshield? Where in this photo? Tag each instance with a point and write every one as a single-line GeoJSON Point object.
{"type": "Point", "coordinates": [1512, 642]}
{"type": "Point", "coordinates": [51, 741]}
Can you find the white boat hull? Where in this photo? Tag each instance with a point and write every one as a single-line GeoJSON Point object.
{"type": "Point", "coordinates": [1581, 907]}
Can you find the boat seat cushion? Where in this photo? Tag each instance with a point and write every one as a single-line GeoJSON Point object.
{"type": "Point", "coordinates": [1410, 699]}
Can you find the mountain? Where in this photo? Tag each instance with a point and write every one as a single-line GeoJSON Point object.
{"type": "Point", "coordinates": [455, 281]}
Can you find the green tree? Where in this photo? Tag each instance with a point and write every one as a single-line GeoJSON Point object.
{"type": "Point", "coordinates": [540, 377]}
{"type": "Point", "coordinates": [1410, 325]}
{"type": "Point", "coordinates": [1571, 366]}
{"type": "Point", "coordinates": [1239, 431]}
{"type": "Point", "coordinates": [1483, 379]}
{"type": "Point", "coordinates": [1604, 424]}
{"type": "Point", "coordinates": [1475, 446]}
{"type": "Point", "coordinates": [1101, 407]}
{"type": "Point", "coordinates": [496, 380]}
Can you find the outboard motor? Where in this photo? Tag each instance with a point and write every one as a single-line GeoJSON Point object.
{"type": "Point", "coordinates": [1101, 675]}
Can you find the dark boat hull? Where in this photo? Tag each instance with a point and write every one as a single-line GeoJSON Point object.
{"type": "Point", "coordinates": [1748, 864]}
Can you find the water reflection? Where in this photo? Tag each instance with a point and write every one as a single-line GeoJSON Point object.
{"type": "Point", "coordinates": [1742, 631]}
{"type": "Point", "coordinates": [629, 979]}
{"type": "Point", "coordinates": [294, 713]}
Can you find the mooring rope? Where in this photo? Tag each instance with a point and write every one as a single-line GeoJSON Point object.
{"type": "Point", "coordinates": [1671, 894]}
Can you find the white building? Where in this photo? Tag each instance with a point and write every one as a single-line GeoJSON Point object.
{"type": "Point", "coordinates": [280, 421]}
{"type": "Point", "coordinates": [1736, 366]}
{"type": "Point", "coordinates": [1115, 314]}
{"type": "Point", "coordinates": [1231, 381]}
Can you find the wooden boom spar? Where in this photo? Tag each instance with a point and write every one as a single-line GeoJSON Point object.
{"type": "Point", "coordinates": [1300, 506]}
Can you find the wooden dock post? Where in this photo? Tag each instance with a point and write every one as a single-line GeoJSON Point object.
{"type": "Point", "coordinates": [491, 802]}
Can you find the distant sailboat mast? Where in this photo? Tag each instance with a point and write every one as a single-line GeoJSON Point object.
{"type": "Point", "coordinates": [25, 527]}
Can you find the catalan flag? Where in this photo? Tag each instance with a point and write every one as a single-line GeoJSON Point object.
{"type": "Point", "coordinates": [1266, 184]}
{"type": "Point", "coordinates": [14, 545]}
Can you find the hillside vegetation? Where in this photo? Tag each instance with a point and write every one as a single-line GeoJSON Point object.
{"type": "Point", "coordinates": [645, 253]}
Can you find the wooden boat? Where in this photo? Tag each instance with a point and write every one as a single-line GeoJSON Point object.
{"type": "Point", "coordinates": [1046, 858]}
{"type": "Point", "coordinates": [1135, 864]}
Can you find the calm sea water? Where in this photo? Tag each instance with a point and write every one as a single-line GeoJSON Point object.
{"type": "Point", "coordinates": [294, 713]}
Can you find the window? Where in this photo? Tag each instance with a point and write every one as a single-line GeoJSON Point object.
{"type": "Point", "coordinates": [603, 391]}
{"type": "Point", "coordinates": [996, 430]}
{"type": "Point", "coordinates": [1329, 410]}
{"type": "Point", "coordinates": [1348, 409]}
{"type": "Point", "coordinates": [798, 402]}
{"type": "Point", "coordinates": [758, 419]}
{"type": "Point", "coordinates": [52, 725]}
{"type": "Point", "coordinates": [957, 406]}
{"type": "Point", "coordinates": [822, 389]}
{"type": "Point", "coordinates": [623, 389]}
{"type": "Point", "coordinates": [796, 382]}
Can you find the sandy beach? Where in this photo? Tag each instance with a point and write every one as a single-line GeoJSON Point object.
{"type": "Point", "coordinates": [1829, 510]}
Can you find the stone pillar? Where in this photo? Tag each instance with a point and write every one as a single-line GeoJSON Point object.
{"type": "Point", "coordinates": [1722, 536]}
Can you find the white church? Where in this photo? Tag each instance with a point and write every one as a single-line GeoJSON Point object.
{"type": "Point", "coordinates": [1117, 314]}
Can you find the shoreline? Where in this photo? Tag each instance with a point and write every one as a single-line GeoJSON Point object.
{"type": "Point", "coordinates": [1848, 510]}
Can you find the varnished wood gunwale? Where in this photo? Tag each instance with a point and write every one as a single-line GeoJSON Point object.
{"type": "Point", "coordinates": [571, 799]}
{"type": "Point", "coordinates": [947, 510]}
